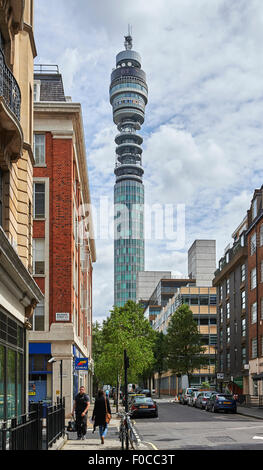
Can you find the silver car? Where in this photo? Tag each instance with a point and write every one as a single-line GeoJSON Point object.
{"type": "Point", "coordinates": [192, 398]}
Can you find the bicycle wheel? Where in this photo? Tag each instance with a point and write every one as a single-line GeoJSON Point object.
{"type": "Point", "coordinates": [121, 436]}
{"type": "Point", "coordinates": [132, 439]}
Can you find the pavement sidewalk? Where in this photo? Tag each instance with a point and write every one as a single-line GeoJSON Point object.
{"type": "Point", "coordinates": [92, 440]}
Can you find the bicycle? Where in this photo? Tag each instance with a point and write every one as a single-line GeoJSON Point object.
{"type": "Point", "coordinates": [126, 433]}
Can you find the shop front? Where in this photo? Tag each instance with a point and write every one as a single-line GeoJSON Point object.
{"type": "Point", "coordinates": [12, 366]}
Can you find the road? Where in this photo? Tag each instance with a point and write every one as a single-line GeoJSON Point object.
{"type": "Point", "coordinates": [183, 427]}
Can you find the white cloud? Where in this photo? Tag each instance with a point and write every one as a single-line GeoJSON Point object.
{"type": "Point", "coordinates": [203, 134]}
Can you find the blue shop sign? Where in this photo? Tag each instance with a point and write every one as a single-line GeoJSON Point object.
{"type": "Point", "coordinates": [81, 363]}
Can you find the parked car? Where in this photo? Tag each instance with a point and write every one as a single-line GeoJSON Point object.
{"type": "Point", "coordinates": [131, 396]}
{"type": "Point", "coordinates": [186, 394]}
{"type": "Point", "coordinates": [192, 398]}
{"type": "Point", "coordinates": [221, 401]}
{"type": "Point", "coordinates": [202, 398]}
{"type": "Point", "coordinates": [143, 406]}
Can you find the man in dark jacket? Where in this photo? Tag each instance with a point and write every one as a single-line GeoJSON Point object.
{"type": "Point", "coordinates": [81, 406]}
{"type": "Point", "coordinates": [102, 405]}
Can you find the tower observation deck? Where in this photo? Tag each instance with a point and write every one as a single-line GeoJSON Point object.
{"type": "Point", "coordinates": [128, 97]}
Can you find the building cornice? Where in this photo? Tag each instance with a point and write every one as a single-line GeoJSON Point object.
{"type": "Point", "coordinates": [28, 28]}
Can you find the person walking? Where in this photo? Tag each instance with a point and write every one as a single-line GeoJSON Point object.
{"type": "Point", "coordinates": [101, 407]}
{"type": "Point", "coordinates": [80, 407]}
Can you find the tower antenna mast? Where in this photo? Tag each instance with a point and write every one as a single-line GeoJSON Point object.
{"type": "Point", "coordinates": [128, 38]}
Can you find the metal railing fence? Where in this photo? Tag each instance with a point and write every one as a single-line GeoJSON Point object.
{"type": "Point", "coordinates": [36, 430]}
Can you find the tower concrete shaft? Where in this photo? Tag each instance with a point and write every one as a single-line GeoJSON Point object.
{"type": "Point", "coordinates": [128, 97]}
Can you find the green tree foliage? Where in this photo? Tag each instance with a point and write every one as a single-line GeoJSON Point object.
{"type": "Point", "coordinates": [97, 349]}
{"type": "Point", "coordinates": [185, 352]}
{"type": "Point", "coordinates": [125, 328]}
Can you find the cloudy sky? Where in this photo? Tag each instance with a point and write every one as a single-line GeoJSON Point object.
{"type": "Point", "coordinates": [203, 137]}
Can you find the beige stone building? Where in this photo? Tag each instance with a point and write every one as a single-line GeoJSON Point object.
{"type": "Point", "coordinates": [19, 294]}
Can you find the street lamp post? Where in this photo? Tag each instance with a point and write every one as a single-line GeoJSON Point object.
{"type": "Point", "coordinates": [51, 361]}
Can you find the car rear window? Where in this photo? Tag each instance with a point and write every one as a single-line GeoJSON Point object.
{"type": "Point", "coordinates": [143, 400]}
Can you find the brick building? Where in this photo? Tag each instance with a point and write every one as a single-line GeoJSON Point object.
{"type": "Point", "coordinates": [255, 292]}
{"type": "Point", "coordinates": [231, 281]}
{"type": "Point", "coordinates": [62, 257]}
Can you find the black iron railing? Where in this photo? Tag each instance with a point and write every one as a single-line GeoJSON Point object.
{"type": "Point", "coordinates": [37, 430]}
{"type": "Point", "coordinates": [9, 88]}
{"type": "Point", "coordinates": [23, 433]}
{"type": "Point", "coordinates": [55, 427]}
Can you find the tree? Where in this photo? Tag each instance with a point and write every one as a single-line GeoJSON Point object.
{"type": "Point", "coordinates": [185, 352]}
{"type": "Point", "coordinates": [125, 328]}
{"type": "Point", "coordinates": [97, 349]}
{"type": "Point", "coordinates": [160, 355]}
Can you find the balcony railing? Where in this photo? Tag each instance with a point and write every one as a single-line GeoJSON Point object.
{"type": "Point", "coordinates": [9, 88]}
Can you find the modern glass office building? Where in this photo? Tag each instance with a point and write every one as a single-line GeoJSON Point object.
{"type": "Point", "coordinates": [128, 97]}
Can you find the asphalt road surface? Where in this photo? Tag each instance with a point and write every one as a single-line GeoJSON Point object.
{"type": "Point", "coordinates": [186, 428]}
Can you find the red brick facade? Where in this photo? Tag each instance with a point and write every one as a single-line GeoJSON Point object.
{"type": "Point", "coordinates": [64, 192]}
{"type": "Point", "coordinates": [255, 258]}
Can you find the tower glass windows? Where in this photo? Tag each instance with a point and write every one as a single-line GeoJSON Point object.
{"type": "Point", "coordinates": [128, 97]}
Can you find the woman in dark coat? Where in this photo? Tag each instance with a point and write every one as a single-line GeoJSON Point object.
{"type": "Point", "coordinates": [99, 414]}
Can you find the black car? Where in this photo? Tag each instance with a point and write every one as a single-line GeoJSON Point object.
{"type": "Point", "coordinates": [143, 406]}
{"type": "Point", "coordinates": [221, 401]}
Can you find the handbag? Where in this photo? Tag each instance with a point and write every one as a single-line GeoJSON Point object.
{"type": "Point", "coordinates": [108, 415]}
{"type": "Point", "coordinates": [71, 426]}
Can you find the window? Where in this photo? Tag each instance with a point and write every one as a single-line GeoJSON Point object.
{"type": "Point", "coordinates": [254, 313]}
{"type": "Point", "coordinates": [254, 348]}
{"type": "Point", "coordinates": [1, 198]}
{"type": "Point", "coordinates": [228, 361]}
{"type": "Point", "coordinates": [243, 327]}
{"type": "Point", "coordinates": [221, 292]}
{"type": "Point", "coordinates": [243, 356]}
{"type": "Point", "coordinates": [227, 286]}
{"type": "Point", "coordinates": [221, 315]}
{"type": "Point", "coordinates": [40, 149]}
{"type": "Point", "coordinates": [261, 235]}
{"type": "Point", "coordinates": [39, 200]}
{"type": "Point", "coordinates": [38, 256]}
{"type": "Point", "coordinates": [253, 278]}
{"type": "Point", "coordinates": [243, 272]}
{"type": "Point", "coordinates": [254, 208]}
{"type": "Point", "coordinates": [227, 310]}
{"type": "Point", "coordinates": [253, 243]}
{"type": "Point", "coordinates": [243, 299]}
{"type": "Point", "coordinates": [228, 334]}
{"type": "Point", "coordinates": [39, 318]}
{"type": "Point", "coordinates": [203, 300]}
